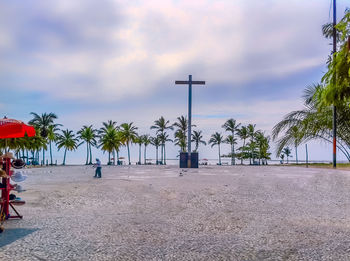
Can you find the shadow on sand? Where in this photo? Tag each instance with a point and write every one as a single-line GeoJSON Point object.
{"type": "Point", "coordinates": [12, 234]}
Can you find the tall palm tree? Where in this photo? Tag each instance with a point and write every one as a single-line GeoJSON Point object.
{"type": "Point", "coordinates": [146, 141]}
{"type": "Point", "coordinates": [128, 133]}
{"type": "Point", "coordinates": [197, 139]}
{"type": "Point", "coordinates": [243, 135]}
{"type": "Point", "coordinates": [251, 134]}
{"type": "Point", "coordinates": [232, 126]}
{"type": "Point", "coordinates": [156, 142]}
{"type": "Point", "coordinates": [139, 141]}
{"type": "Point", "coordinates": [161, 125]}
{"type": "Point", "coordinates": [216, 139]}
{"type": "Point", "coordinates": [68, 141]}
{"type": "Point", "coordinates": [52, 137]}
{"type": "Point", "coordinates": [164, 137]}
{"type": "Point", "coordinates": [43, 123]}
{"type": "Point", "coordinates": [232, 141]}
{"type": "Point", "coordinates": [108, 134]}
{"type": "Point", "coordinates": [88, 134]}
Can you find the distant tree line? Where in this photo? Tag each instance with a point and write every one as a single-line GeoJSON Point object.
{"type": "Point", "coordinates": [111, 137]}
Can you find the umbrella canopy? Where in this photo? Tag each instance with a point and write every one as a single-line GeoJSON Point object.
{"type": "Point", "coordinates": [10, 128]}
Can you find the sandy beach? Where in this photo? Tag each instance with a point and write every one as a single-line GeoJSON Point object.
{"type": "Point", "coordinates": [210, 213]}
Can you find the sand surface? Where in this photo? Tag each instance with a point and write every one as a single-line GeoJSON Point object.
{"type": "Point", "coordinates": [210, 213]}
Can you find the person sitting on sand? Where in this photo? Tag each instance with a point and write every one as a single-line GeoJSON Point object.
{"type": "Point", "coordinates": [98, 167]}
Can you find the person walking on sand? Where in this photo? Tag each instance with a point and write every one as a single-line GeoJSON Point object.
{"type": "Point", "coordinates": [98, 167]}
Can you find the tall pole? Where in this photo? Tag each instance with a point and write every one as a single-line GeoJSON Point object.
{"type": "Point", "coordinates": [189, 114]}
{"type": "Point", "coordinates": [334, 77]}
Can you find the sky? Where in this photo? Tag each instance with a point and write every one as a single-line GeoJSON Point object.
{"type": "Point", "coordinates": [90, 61]}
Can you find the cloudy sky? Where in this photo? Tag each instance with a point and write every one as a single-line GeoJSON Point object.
{"type": "Point", "coordinates": [89, 61]}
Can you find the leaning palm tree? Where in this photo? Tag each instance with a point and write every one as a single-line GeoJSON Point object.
{"type": "Point", "coordinates": [216, 139]}
{"type": "Point", "coordinates": [243, 135]}
{"type": "Point", "coordinates": [128, 133]}
{"type": "Point", "coordinates": [43, 123]}
{"type": "Point", "coordinates": [232, 126]}
{"type": "Point", "coordinates": [161, 125]}
{"type": "Point", "coordinates": [52, 137]}
{"type": "Point", "coordinates": [197, 139]}
{"type": "Point", "coordinates": [232, 141]}
{"type": "Point", "coordinates": [88, 134]}
{"type": "Point", "coordinates": [314, 122]}
{"type": "Point", "coordinates": [68, 141]}
{"type": "Point", "coordinates": [146, 139]}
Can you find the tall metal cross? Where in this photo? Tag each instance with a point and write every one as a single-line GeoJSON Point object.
{"type": "Point", "coordinates": [190, 83]}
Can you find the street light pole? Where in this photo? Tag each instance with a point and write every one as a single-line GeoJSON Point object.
{"type": "Point", "coordinates": [334, 79]}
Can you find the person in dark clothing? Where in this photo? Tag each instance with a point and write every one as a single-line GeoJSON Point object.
{"type": "Point", "coordinates": [98, 167]}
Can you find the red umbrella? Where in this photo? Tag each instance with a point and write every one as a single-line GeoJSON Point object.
{"type": "Point", "coordinates": [10, 128]}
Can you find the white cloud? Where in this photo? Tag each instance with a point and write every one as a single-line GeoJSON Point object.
{"type": "Point", "coordinates": [126, 47]}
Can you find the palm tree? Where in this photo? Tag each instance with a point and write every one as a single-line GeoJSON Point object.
{"type": "Point", "coordinates": [231, 126]}
{"type": "Point", "coordinates": [43, 123]}
{"type": "Point", "coordinates": [128, 133]}
{"type": "Point", "coordinates": [156, 142]}
{"type": "Point", "coordinates": [139, 141]}
{"type": "Point", "coordinates": [232, 141]}
{"type": "Point", "coordinates": [180, 134]}
{"type": "Point", "coordinates": [164, 137]}
{"type": "Point", "coordinates": [287, 151]}
{"type": "Point", "coordinates": [263, 146]}
{"type": "Point", "coordinates": [161, 125]}
{"type": "Point", "coordinates": [146, 141]}
{"type": "Point", "coordinates": [243, 135]}
{"type": "Point", "coordinates": [68, 141]}
{"type": "Point", "coordinates": [109, 136]}
{"type": "Point", "coordinates": [108, 141]}
{"type": "Point", "coordinates": [251, 134]}
{"type": "Point", "coordinates": [314, 122]}
{"type": "Point", "coordinates": [216, 139]}
{"type": "Point", "coordinates": [197, 139]}
{"type": "Point", "coordinates": [89, 135]}
{"type": "Point", "coordinates": [52, 137]}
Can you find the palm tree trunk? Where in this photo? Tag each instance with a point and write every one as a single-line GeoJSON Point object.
{"type": "Point", "coordinates": [129, 153]}
{"type": "Point", "coordinates": [90, 153]}
{"type": "Point", "coordinates": [87, 153]}
{"type": "Point", "coordinates": [64, 157]}
{"type": "Point", "coordinates": [219, 155]}
{"type": "Point", "coordinates": [50, 153]}
{"type": "Point", "coordinates": [144, 154]}
{"type": "Point", "coordinates": [109, 157]}
{"type": "Point", "coordinates": [164, 155]}
{"type": "Point", "coordinates": [296, 154]}
{"type": "Point", "coordinates": [243, 149]}
{"type": "Point", "coordinates": [232, 158]}
{"type": "Point", "coordinates": [43, 156]}
{"type": "Point", "coordinates": [156, 155]}
{"type": "Point", "coordinates": [117, 157]}
{"type": "Point", "coordinates": [140, 154]}
{"type": "Point", "coordinates": [113, 157]}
